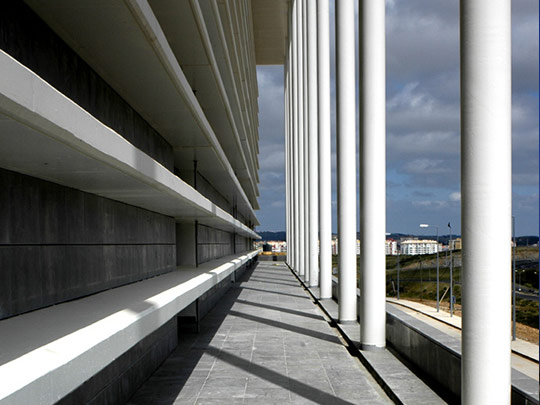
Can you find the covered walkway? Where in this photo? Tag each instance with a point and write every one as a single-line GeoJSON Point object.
{"type": "Point", "coordinates": [265, 342]}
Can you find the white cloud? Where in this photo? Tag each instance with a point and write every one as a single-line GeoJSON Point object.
{"type": "Point", "coordinates": [423, 116]}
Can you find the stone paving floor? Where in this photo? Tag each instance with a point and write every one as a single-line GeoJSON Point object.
{"type": "Point", "coordinates": [264, 343]}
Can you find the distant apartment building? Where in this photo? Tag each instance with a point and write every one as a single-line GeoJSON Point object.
{"type": "Point", "coordinates": [278, 246]}
{"type": "Point", "coordinates": [418, 247]}
{"type": "Point", "coordinates": [334, 246]}
{"type": "Point", "coordinates": [271, 246]}
{"type": "Point", "coordinates": [391, 247]}
{"type": "Point", "coordinates": [455, 244]}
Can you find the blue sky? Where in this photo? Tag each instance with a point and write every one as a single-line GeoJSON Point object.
{"type": "Point", "coordinates": [422, 141]}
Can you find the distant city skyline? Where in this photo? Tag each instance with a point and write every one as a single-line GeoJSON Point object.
{"type": "Point", "coordinates": [423, 125]}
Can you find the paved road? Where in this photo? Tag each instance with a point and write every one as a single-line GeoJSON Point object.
{"type": "Point", "coordinates": [264, 343]}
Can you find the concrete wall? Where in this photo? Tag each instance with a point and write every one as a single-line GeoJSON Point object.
{"type": "Point", "coordinates": [205, 188]}
{"type": "Point", "coordinates": [242, 243]}
{"type": "Point", "coordinates": [25, 37]}
{"type": "Point", "coordinates": [186, 249]}
{"type": "Point", "coordinates": [57, 243]}
{"type": "Point", "coordinates": [212, 244]}
{"type": "Point", "coordinates": [442, 364]}
{"type": "Point", "coordinates": [436, 356]}
{"type": "Point", "coordinates": [117, 382]}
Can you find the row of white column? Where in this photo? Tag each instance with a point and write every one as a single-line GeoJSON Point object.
{"type": "Point", "coordinates": [486, 174]}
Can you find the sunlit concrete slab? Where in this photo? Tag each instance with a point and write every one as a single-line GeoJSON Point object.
{"type": "Point", "coordinates": [270, 30]}
{"type": "Point", "coordinates": [265, 343]}
{"type": "Point", "coordinates": [50, 352]}
{"type": "Point", "coordinates": [66, 145]}
{"type": "Point", "coordinates": [180, 20]}
{"type": "Point", "coordinates": [124, 43]}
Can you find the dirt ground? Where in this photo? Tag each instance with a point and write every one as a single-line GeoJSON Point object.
{"type": "Point", "coordinates": [524, 332]}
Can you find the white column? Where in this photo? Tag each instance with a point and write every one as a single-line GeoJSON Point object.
{"type": "Point", "coordinates": [346, 158]}
{"type": "Point", "coordinates": [372, 174]}
{"type": "Point", "coordinates": [294, 154]}
{"type": "Point", "coordinates": [291, 142]}
{"type": "Point", "coordinates": [486, 205]}
{"type": "Point", "coordinates": [313, 146]}
{"type": "Point", "coordinates": [290, 163]}
{"type": "Point", "coordinates": [300, 148]}
{"type": "Point", "coordinates": [325, 168]}
{"type": "Point", "coordinates": [306, 102]}
{"type": "Point", "coordinates": [286, 136]}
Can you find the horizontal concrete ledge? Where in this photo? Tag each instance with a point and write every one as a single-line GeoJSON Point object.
{"type": "Point", "coordinates": [520, 347]}
{"type": "Point", "coordinates": [129, 49]}
{"type": "Point", "coordinates": [49, 352]}
{"type": "Point", "coordinates": [46, 135]}
{"type": "Point", "coordinates": [438, 355]}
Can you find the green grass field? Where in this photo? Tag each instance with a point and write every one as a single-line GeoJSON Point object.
{"type": "Point", "coordinates": [418, 278]}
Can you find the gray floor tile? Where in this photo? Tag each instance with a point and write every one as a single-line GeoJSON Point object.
{"type": "Point", "coordinates": [264, 343]}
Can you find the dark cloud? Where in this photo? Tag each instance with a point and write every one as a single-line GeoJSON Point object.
{"type": "Point", "coordinates": [423, 118]}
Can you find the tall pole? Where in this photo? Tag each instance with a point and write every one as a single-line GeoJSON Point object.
{"type": "Point", "coordinates": [437, 268]}
{"type": "Point", "coordinates": [286, 95]}
{"type": "Point", "coordinates": [451, 273]}
{"type": "Point", "coordinates": [300, 149]}
{"type": "Point", "coordinates": [313, 146]}
{"type": "Point", "coordinates": [372, 174]}
{"type": "Point", "coordinates": [325, 168]}
{"type": "Point", "coordinates": [286, 144]}
{"type": "Point", "coordinates": [305, 149]}
{"type": "Point", "coordinates": [514, 278]}
{"type": "Point", "coordinates": [346, 159]}
{"type": "Point", "coordinates": [294, 154]}
{"type": "Point", "coordinates": [486, 204]}
{"type": "Point", "coordinates": [437, 251]}
{"type": "Point", "coordinates": [290, 172]}
{"type": "Point", "coordinates": [398, 274]}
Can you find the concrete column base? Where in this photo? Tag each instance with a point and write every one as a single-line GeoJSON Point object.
{"type": "Point", "coordinates": [347, 322]}
{"type": "Point", "coordinates": [372, 348]}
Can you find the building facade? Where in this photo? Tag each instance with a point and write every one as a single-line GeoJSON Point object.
{"type": "Point", "coordinates": [128, 173]}
{"type": "Point", "coordinates": [455, 244]}
{"type": "Point", "coordinates": [419, 247]}
{"type": "Point", "coordinates": [391, 247]}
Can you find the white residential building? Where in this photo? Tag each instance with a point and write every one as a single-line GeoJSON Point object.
{"type": "Point", "coordinates": [391, 247]}
{"type": "Point", "coordinates": [418, 247]}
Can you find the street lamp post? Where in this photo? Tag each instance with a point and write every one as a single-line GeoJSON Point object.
{"type": "Point", "coordinates": [398, 274]}
{"type": "Point", "coordinates": [436, 227]}
{"type": "Point", "coordinates": [514, 278]}
{"type": "Point", "coordinates": [451, 272]}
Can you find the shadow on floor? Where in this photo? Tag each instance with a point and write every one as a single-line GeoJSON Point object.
{"type": "Point", "coordinates": [286, 310]}
{"type": "Point", "coordinates": [275, 292]}
{"type": "Point", "coordinates": [168, 384]}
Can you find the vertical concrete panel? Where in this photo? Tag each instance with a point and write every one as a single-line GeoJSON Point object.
{"type": "Point", "coordinates": [212, 243]}
{"type": "Point", "coordinates": [185, 244]}
{"type": "Point", "coordinates": [62, 244]}
{"type": "Point", "coordinates": [24, 36]}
